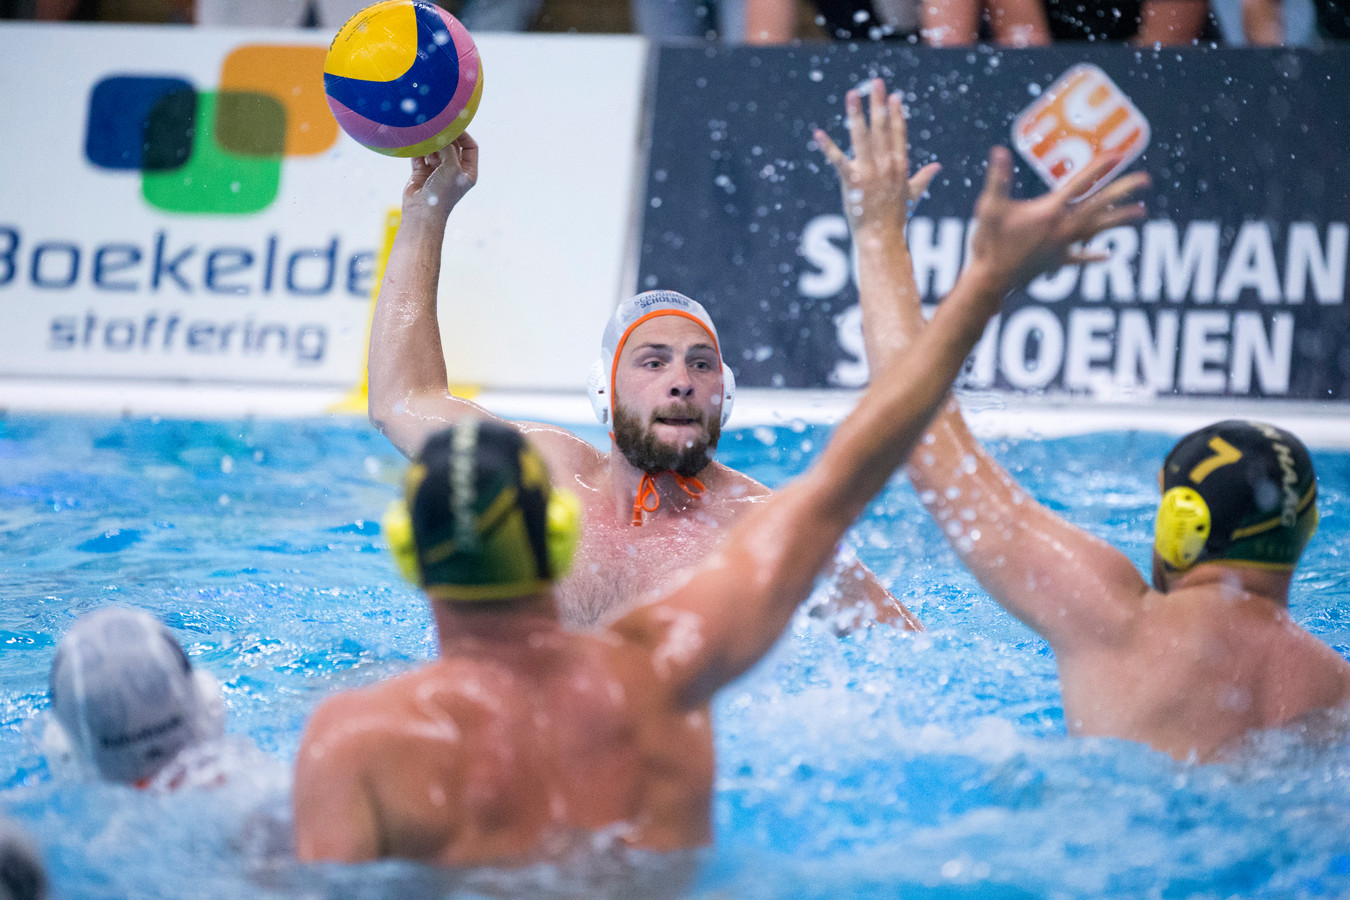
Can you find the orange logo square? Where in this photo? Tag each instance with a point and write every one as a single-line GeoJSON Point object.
{"type": "Point", "coordinates": [1081, 117]}
{"type": "Point", "coordinates": [293, 76]}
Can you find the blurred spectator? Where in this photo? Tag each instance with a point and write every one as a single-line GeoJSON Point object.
{"type": "Point", "coordinates": [870, 20]}
{"type": "Point", "coordinates": [1333, 19]}
{"type": "Point", "coordinates": [770, 21]}
{"type": "Point", "coordinates": [776, 21]}
{"type": "Point", "coordinates": [277, 13]}
{"type": "Point", "coordinates": [496, 15]}
{"type": "Point", "coordinates": [1174, 23]}
{"type": "Point", "coordinates": [1008, 23]}
{"type": "Point", "coordinates": [1271, 23]}
{"type": "Point", "coordinates": [158, 11]}
{"type": "Point", "coordinates": [477, 15]}
{"type": "Point", "coordinates": [663, 20]}
{"type": "Point", "coordinates": [1263, 22]}
{"type": "Point", "coordinates": [1029, 23]}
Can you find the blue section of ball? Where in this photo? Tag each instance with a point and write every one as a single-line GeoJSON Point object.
{"type": "Point", "coordinates": [414, 96]}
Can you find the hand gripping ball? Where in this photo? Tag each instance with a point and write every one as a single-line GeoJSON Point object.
{"type": "Point", "coordinates": [403, 77]}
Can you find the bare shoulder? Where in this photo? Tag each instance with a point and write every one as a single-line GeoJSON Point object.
{"type": "Point", "coordinates": [733, 485]}
{"type": "Point", "coordinates": [335, 757]}
{"type": "Point", "coordinates": [563, 450]}
{"type": "Point", "coordinates": [351, 718]}
{"type": "Point", "coordinates": [1075, 589]}
{"type": "Point", "coordinates": [1324, 663]}
{"type": "Point", "coordinates": [647, 643]}
{"type": "Point", "coordinates": [1301, 673]}
{"type": "Point", "coordinates": [360, 753]}
{"type": "Point", "coordinates": [411, 718]}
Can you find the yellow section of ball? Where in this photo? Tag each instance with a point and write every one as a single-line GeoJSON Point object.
{"type": "Point", "coordinates": [379, 43]}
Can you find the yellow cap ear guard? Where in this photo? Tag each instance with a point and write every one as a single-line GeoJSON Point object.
{"type": "Point", "coordinates": [562, 532]}
{"type": "Point", "coordinates": [397, 526]}
{"type": "Point", "coordinates": [1182, 527]}
{"type": "Point", "coordinates": [562, 529]}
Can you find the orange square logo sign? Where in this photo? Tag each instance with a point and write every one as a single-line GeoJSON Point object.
{"type": "Point", "coordinates": [1081, 117]}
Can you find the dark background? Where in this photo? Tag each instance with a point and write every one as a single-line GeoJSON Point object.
{"type": "Point", "coordinates": [1237, 134]}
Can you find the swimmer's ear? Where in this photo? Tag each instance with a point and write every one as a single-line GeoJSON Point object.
{"type": "Point", "coordinates": [397, 527]}
{"type": "Point", "coordinates": [63, 757]}
{"type": "Point", "coordinates": [1182, 527]}
{"type": "Point", "coordinates": [55, 740]}
{"type": "Point", "coordinates": [561, 531]}
{"type": "Point", "coordinates": [1305, 528]}
{"type": "Point", "coordinates": [597, 389]}
{"type": "Point", "coordinates": [728, 392]}
{"type": "Point", "coordinates": [209, 723]}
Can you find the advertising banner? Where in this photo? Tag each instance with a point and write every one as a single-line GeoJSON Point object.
{"type": "Point", "coordinates": [178, 207]}
{"type": "Point", "coordinates": [1233, 286]}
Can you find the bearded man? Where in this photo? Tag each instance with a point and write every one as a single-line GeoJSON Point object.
{"type": "Point", "coordinates": [655, 504]}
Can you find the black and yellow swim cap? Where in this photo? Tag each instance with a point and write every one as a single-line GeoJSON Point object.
{"type": "Point", "coordinates": [1236, 491]}
{"type": "Point", "coordinates": [480, 519]}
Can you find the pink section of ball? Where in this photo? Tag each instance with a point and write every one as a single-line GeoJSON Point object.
{"type": "Point", "coordinates": [376, 135]}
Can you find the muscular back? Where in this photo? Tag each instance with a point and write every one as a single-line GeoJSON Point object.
{"type": "Point", "coordinates": [1199, 668]}
{"type": "Point", "coordinates": [492, 758]}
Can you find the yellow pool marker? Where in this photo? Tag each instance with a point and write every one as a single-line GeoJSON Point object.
{"type": "Point", "coordinates": [357, 400]}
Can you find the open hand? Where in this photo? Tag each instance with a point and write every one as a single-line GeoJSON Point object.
{"type": "Point", "coordinates": [441, 179]}
{"type": "Point", "coordinates": [1016, 240]}
{"type": "Point", "coordinates": [877, 188]}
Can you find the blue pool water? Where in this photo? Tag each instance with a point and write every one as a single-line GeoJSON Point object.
{"type": "Point", "coordinates": [878, 764]}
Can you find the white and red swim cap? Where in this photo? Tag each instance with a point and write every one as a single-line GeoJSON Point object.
{"type": "Point", "coordinates": [629, 315]}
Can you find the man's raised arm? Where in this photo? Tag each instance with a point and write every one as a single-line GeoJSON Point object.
{"type": "Point", "coordinates": [1031, 561]}
{"type": "Point", "coordinates": [734, 606]}
{"type": "Point", "coordinates": [409, 397]}
{"type": "Point", "coordinates": [884, 206]}
{"type": "Point", "coordinates": [878, 195]}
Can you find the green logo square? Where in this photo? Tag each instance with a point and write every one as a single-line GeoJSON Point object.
{"type": "Point", "coordinates": [215, 178]}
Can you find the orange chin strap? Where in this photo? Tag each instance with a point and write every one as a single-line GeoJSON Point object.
{"type": "Point", "coordinates": [647, 491]}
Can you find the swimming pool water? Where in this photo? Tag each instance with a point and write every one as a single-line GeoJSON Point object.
{"type": "Point", "coordinates": [876, 764]}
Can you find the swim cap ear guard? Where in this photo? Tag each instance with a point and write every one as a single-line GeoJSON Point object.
{"type": "Point", "coordinates": [630, 314]}
{"type": "Point", "coordinates": [69, 758]}
{"type": "Point", "coordinates": [1238, 492]}
{"type": "Point", "coordinates": [562, 526]}
{"type": "Point", "coordinates": [209, 723]}
{"type": "Point", "coordinates": [397, 528]}
{"type": "Point", "coordinates": [480, 519]}
{"type": "Point", "coordinates": [1182, 527]}
{"type": "Point", "coordinates": [597, 389]}
{"type": "Point", "coordinates": [562, 530]}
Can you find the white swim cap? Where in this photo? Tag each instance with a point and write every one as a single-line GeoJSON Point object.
{"type": "Point", "coordinates": [630, 314]}
{"type": "Point", "coordinates": [125, 697]}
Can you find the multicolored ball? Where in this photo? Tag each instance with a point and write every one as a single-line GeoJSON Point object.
{"type": "Point", "coordinates": [403, 77]}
